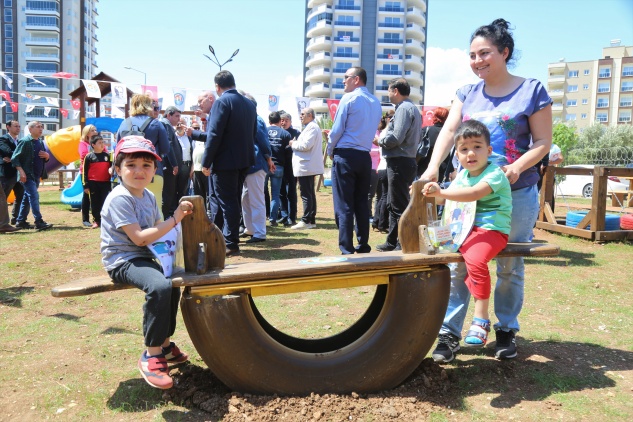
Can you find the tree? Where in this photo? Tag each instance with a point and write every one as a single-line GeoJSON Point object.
{"type": "Point", "coordinates": [565, 137]}
{"type": "Point", "coordinates": [602, 145]}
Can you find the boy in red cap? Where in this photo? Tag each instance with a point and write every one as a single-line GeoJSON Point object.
{"type": "Point", "coordinates": [131, 220]}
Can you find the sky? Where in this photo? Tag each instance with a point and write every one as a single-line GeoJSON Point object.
{"type": "Point", "coordinates": [168, 39]}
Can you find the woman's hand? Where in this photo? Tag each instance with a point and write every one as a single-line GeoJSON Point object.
{"type": "Point", "coordinates": [512, 173]}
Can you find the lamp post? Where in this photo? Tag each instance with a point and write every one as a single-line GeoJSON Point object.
{"type": "Point", "coordinates": [139, 71]}
{"type": "Point", "coordinates": [216, 61]}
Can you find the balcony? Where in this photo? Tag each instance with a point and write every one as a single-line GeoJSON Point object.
{"type": "Point", "coordinates": [321, 58]}
{"type": "Point", "coordinates": [390, 41]}
{"type": "Point", "coordinates": [626, 103]}
{"type": "Point", "coordinates": [38, 113]}
{"type": "Point", "coordinates": [556, 93]}
{"type": "Point", "coordinates": [555, 80]}
{"type": "Point", "coordinates": [414, 78]}
{"type": "Point", "coordinates": [389, 57]}
{"type": "Point", "coordinates": [318, 74]}
{"type": "Point", "coordinates": [338, 86]}
{"type": "Point", "coordinates": [318, 90]}
{"type": "Point", "coordinates": [556, 68]}
{"type": "Point", "coordinates": [339, 70]}
{"type": "Point", "coordinates": [347, 8]}
{"type": "Point", "coordinates": [347, 23]}
{"type": "Point", "coordinates": [346, 40]}
{"type": "Point", "coordinates": [323, 27]}
{"type": "Point", "coordinates": [602, 105]}
{"type": "Point", "coordinates": [413, 63]}
{"type": "Point", "coordinates": [420, 4]}
{"type": "Point", "coordinates": [416, 15]}
{"type": "Point", "coordinates": [44, 57]}
{"type": "Point", "coordinates": [319, 44]}
{"type": "Point", "coordinates": [349, 55]}
{"type": "Point", "coordinates": [626, 88]}
{"type": "Point", "coordinates": [42, 26]}
{"type": "Point", "coordinates": [315, 3]}
{"type": "Point", "coordinates": [603, 90]}
{"type": "Point", "coordinates": [626, 73]}
{"type": "Point", "coordinates": [624, 119]}
{"type": "Point", "coordinates": [390, 25]}
{"type": "Point", "coordinates": [42, 11]}
{"type": "Point", "coordinates": [604, 75]}
{"type": "Point", "coordinates": [41, 41]}
{"type": "Point", "coordinates": [324, 8]}
{"type": "Point", "coordinates": [415, 31]}
{"type": "Point", "coordinates": [391, 9]}
{"type": "Point", "coordinates": [414, 47]}
{"type": "Point", "coordinates": [389, 72]}
{"type": "Point", "coordinates": [95, 11]}
{"type": "Point", "coordinates": [47, 88]}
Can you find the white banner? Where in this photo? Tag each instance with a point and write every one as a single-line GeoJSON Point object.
{"type": "Point", "coordinates": [119, 94]}
{"type": "Point", "coordinates": [92, 88]}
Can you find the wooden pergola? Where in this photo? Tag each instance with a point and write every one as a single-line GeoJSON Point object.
{"type": "Point", "coordinates": [103, 80]}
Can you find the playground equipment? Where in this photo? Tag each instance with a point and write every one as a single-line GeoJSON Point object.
{"type": "Point", "coordinates": [593, 225]}
{"type": "Point", "coordinates": [248, 354]}
{"type": "Point", "coordinates": [72, 195]}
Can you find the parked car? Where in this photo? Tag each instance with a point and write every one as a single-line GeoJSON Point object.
{"type": "Point", "coordinates": [583, 185]}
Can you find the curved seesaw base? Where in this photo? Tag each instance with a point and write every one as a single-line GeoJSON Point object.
{"type": "Point", "coordinates": [378, 352]}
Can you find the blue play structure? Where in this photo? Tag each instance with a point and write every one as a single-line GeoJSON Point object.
{"type": "Point", "coordinates": [72, 196]}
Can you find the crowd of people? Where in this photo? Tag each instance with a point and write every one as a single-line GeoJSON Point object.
{"type": "Point", "coordinates": [498, 129]}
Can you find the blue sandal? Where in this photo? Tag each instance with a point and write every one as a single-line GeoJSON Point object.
{"type": "Point", "coordinates": [477, 335]}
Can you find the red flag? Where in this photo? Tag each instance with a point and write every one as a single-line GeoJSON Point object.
{"type": "Point", "coordinates": [64, 112]}
{"type": "Point", "coordinates": [76, 104]}
{"type": "Point", "coordinates": [14, 106]}
{"type": "Point", "coordinates": [332, 105]}
{"type": "Point", "coordinates": [427, 115]}
{"type": "Point", "coordinates": [5, 95]}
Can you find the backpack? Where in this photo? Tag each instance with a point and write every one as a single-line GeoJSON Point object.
{"type": "Point", "coordinates": [423, 146]}
{"type": "Point", "coordinates": [133, 130]}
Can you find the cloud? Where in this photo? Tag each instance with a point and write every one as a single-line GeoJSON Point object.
{"type": "Point", "coordinates": [446, 71]}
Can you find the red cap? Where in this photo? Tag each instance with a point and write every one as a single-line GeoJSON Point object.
{"type": "Point", "coordinates": [133, 143]}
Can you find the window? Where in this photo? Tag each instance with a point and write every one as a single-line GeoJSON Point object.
{"type": "Point", "coordinates": [572, 88]}
{"type": "Point", "coordinates": [8, 30]}
{"type": "Point", "coordinates": [586, 72]}
{"type": "Point", "coordinates": [8, 46]}
{"type": "Point", "coordinates": [8, 15]}
{"type": "Point", "coordinates": [602, 103]}
{"type": "Point", "coordinates": [627, 86]}
{"type": "Point", "coordinates": [605, 72]}
{"type": "Point", "coordinates": [604, 87]}
{"type": "Point", "coordinates": [626, 101]}
{"type": "Point", "coordinates": [570, 117]}
{"type": "Point", "coordinates": [392, 22]}
{"type": "Point", "coordinates": [51, 126]}
{"type": "Point", "coordinates": [585, 87]}
{"type": "Point", "coordinates": [584, 101]}
{"type": "Point", "coordinates": [572, 74]}
{"type": "Point", "coordinates": [42, 21]}
{"type": "Point", "coordinates": [36, 67]}
{"type": "Point", "coordinates": [627, 71]}
{"type": "Point", "coordinates": [583, 116]}
{"type": "Point", "coordinates": [389, 69]}
{"type": "Point", "coordinates": [51, 6]}
{"type": "Point", "coordinates": [8, 3]}
{"type": "Point", "coordinates": [602, 117]}
{"type": "Point", "coordinates": [8, 61]}
{"type": "Point", "coordinates": [571, 103]}
{"type": "Point", "coordinates": [624, 117]}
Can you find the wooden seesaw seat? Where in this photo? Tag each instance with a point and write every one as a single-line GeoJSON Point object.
{"type": "Point", "coordinates": [377, 352]}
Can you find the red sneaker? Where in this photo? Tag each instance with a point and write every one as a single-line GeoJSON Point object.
{"type": "Point", "coordinates": [155, 371]}
{"type": "Point", "coordinates": [173, 354]}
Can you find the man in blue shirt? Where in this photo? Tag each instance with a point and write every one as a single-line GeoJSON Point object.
{"type": "Point", "coordinates": [350, 141]}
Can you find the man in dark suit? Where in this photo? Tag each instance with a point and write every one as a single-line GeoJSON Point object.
{"type": "Point", "coordinates": [8, 175]}
{"type": "Point", "coordinates": [229, 152]}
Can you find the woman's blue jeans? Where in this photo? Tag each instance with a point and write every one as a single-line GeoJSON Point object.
{"type": "Point", "coordinates": [508, 293]}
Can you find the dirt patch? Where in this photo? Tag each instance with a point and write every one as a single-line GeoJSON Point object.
{"type": "Point", "coordinates": [416, 399]}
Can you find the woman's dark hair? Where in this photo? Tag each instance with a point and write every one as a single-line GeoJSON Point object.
{"type": "Point", "coordinates": [498, 32]}
{"type": "Point", "coordinates": [383, 119]}
{"type": "Point", "coordinates": [439, 115]}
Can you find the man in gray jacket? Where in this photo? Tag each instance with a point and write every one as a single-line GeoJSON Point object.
{"type": "Point", "coordinates": [399, 147]}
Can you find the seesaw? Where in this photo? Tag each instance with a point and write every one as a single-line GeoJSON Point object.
{"type": "Point", "coordinates": [378, 352]}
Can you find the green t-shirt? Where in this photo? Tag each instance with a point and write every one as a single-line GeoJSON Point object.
{"type": "Point", "coordinates": [494, 211]}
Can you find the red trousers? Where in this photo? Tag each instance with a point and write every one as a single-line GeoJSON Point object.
{"type": "Point", "coordinates": [479, 248]}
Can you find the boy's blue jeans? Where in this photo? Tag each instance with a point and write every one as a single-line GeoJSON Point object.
{"type": "Point", "coordinates": [161, 299]}
{"type": "Point", "coordinates": [508, 294]}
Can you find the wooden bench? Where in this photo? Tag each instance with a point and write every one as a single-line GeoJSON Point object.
{"type": "Point", "coordinates": [248, 354]}
{"type": "Point", "coordinates": [619, 198]}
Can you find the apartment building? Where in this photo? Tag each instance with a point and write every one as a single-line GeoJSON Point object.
{"type": "Point", "coordinates": [386, 38]}
{"type": "Point", "coordinates": [594, 90]}
{"type": "Point", "coordinates": [41, 38]}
